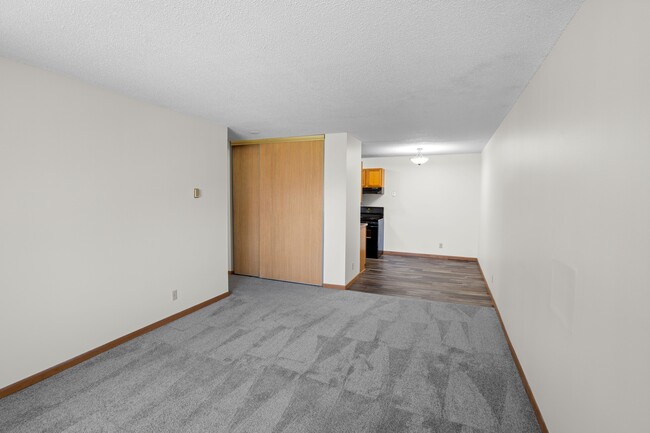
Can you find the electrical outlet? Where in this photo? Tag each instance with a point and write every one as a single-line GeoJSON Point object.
{"type": "Point", "coordinates": [440, 245]}
{"type": "Point", "coordinates": [174, 295]}
{"type": "Point", "coordinates": [492, 279]}
{"type": "Point", "coordinates": [353, 266]}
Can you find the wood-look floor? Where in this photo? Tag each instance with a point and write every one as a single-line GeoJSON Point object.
{"type": "Point", "coordinates": [426, 278]}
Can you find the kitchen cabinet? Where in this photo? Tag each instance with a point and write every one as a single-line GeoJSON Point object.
{"type": "Point", "coordinates": [373, 178]}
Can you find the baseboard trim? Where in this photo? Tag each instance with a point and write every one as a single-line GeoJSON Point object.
{"type": "Point", "coordinates": [354, 280]}
{"type": "Point", "coordinates": [431, 256]}
{"type": "Point", "coordinates": [38, 377]}
{"type": "Point", "coordinates": [334, 286]}
{"type": "Point", "coordinates": [347, 286]}
{"type": "Point", "coordinates": [529, 391]}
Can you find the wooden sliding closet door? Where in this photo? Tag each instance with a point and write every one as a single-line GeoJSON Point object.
{"type": "Point", "coordinates": [291, 211]}
{"type": "Point", "coordinates": [246, 209]}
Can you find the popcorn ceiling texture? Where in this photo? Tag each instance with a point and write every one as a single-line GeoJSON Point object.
{"type": "Point", "coordinates": [389, 72]}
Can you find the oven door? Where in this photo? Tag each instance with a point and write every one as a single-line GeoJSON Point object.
{"type": "Point", "coordinates": [375, 239]}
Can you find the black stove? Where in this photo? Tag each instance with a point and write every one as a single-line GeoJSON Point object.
{"type": "Point", "coordinates": [370, 213]}
{"type": "Point", "coordinates": [374, 217]}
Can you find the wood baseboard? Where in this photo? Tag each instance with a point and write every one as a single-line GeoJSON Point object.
{"type": "Point", "coordinates": [347, 286]}
{"type": "Point", "coordinates": [334, 286]}
{"type": "Point", "coordinates": [38, 377]}
{"type": "Point", "coordinates": [431, 256]}
{"type": "Point", "coordinates": [354, 280]}
{"type": "Point", "coordinates": [529, 391]}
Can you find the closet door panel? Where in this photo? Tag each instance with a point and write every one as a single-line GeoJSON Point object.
{"type": "Point", "coordinates": [291, 211]}
{"type": "Point", "coordinates": [246, 209]}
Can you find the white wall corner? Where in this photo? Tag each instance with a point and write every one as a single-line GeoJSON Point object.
{"type": "Point", "coordinates": [334, 208]}
{"type": "Point", "coordinates": [352, 208]}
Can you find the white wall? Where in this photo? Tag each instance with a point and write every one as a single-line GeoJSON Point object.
{"type": "Point", "coordinates": [341, 208]}
{"type": "Point", "coordinates": [437, 202]}
{"type": "Point", "coordinates": [565, 224]}
{"type": "Point", "coordinates": [353, 209]}
{"type": "Point", "coordinates": [230, 224]}
{"type": "Point", "coordinates": [334, 208]}
{"type": "Point", "coordinates": [98, 223]}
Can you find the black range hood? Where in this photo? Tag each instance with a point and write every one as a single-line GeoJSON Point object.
{"type": "Point", "coordinates": [373, 191]}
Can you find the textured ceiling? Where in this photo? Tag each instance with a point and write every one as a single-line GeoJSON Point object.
{"type": "Point", "coordinates": [393, 73]}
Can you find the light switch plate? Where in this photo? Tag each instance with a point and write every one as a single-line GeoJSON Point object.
{"type": "Point", "coordinates": [197, 193]}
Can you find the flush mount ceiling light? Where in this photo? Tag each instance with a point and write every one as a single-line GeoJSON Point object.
{"type": "Point", "coordinates": [419, 159]}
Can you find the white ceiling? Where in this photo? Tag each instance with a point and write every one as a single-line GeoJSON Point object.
{"type": "Point", "coordinates": [393, 73]}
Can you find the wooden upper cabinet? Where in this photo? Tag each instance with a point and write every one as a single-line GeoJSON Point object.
{"type": "Point", "coordinates": [373, 177]}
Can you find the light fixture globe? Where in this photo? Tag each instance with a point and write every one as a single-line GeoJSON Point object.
{"type": "Point", "coordinates": [419, 159]}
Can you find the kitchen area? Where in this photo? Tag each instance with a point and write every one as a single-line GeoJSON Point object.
{"type": "Point", "coordinates": [422, 228]}
{"type": "Point", "coordinates": [372, 217]}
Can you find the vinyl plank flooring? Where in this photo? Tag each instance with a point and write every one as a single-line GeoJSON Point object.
{"type": "Point", "coordinates": [434, 279]}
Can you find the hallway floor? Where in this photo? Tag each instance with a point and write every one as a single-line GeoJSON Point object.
{"type": "Point", "coordinates": [433, 279]}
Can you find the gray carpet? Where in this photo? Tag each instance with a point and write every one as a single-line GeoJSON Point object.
{"type": "Point", "coordinates": [279, 357]}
